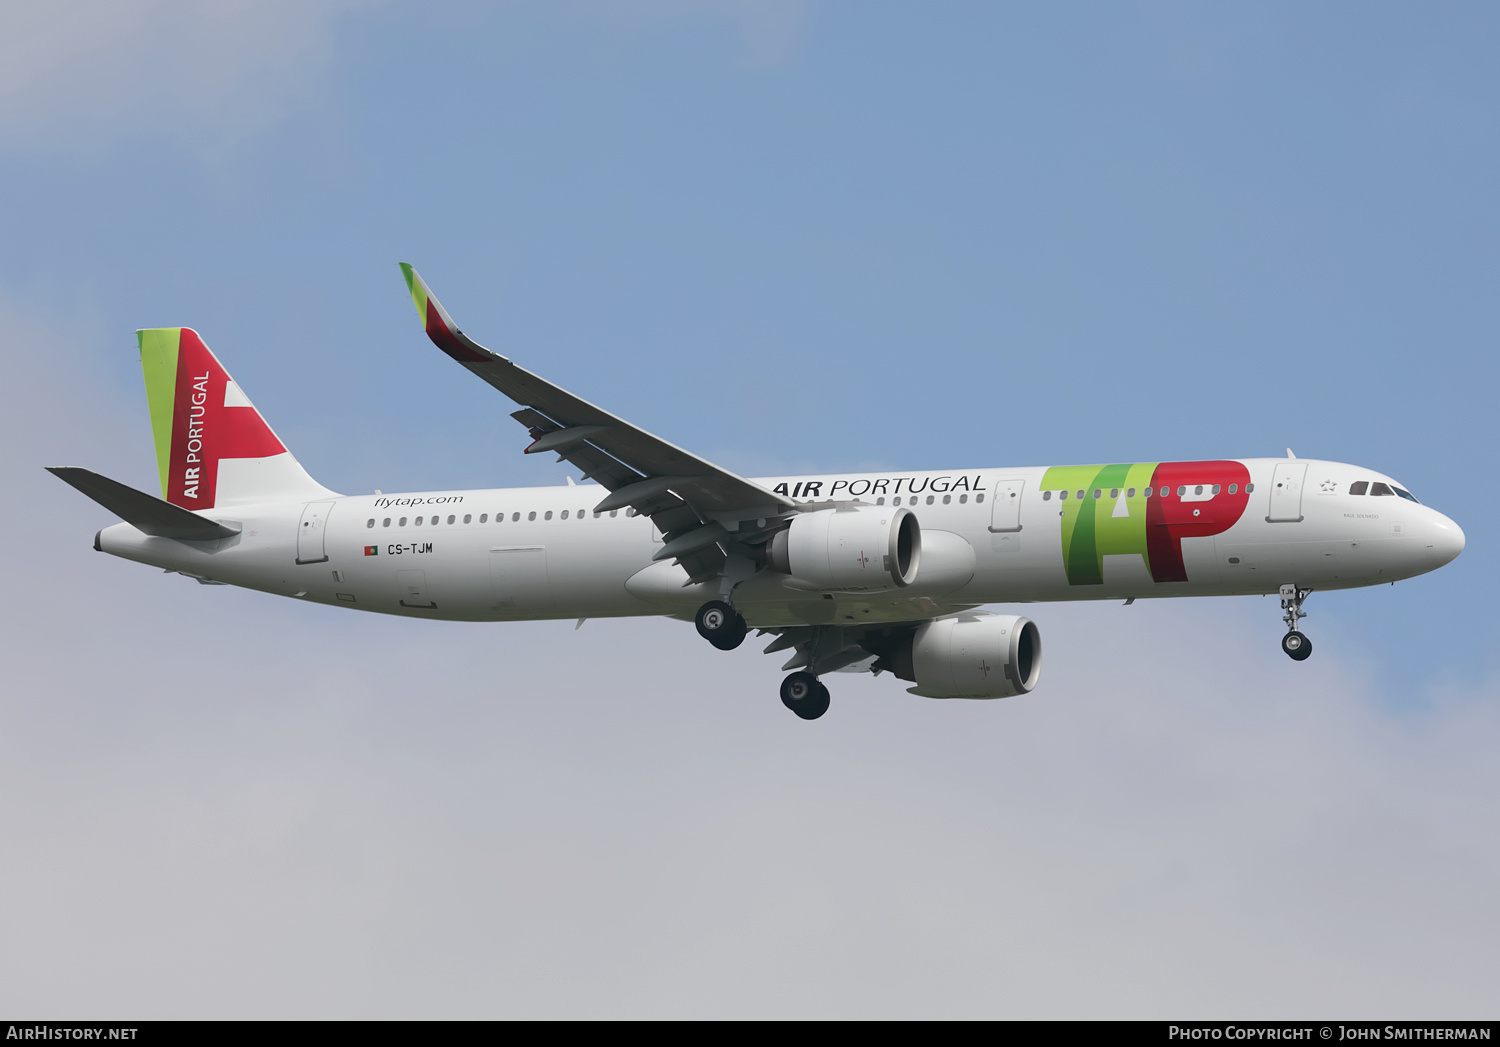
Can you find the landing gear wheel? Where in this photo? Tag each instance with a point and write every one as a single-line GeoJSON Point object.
{"type": "Point", "coordinates": [721, 625]}
{"type": "Point", "coordinates": [1296, 645]}
{"type": "Point", "coordinates": [804, 695]}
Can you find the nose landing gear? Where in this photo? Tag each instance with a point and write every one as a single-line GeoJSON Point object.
{"type": "Point", "coordinates": [721, 625]}
{"type": "Point", "coordinates": [1296, 645]}
{"type": "Point", "coordinates": [803, 694]}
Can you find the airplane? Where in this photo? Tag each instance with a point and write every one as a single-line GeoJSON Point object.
{"type": "Point", "coordinates": [883, 571]}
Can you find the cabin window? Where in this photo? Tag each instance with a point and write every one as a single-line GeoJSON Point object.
{"type": "Point", "coordinates": [1182, 491]}
{"type": "Point", "coordinates": [979, 497]}
{"type": "Point", "coordinates": [1198, 489]}
{"type": "Point", "coordinates": [1359, 487]}
{"type": "Point", "coordinates": [1063, 495]}
{"type": "Point", "coordinates": [1114, 492]}
{"type": "Point", "coordinates": [630, 511]}
{"type": "Point", "coordinates": [947, 498]}
{"type": "Point", "coordinates": [580, 513]}
{"type": "Point", "coordinates": [450, 520]}
{"type": "Point", "coordinates": [417, 522]}
{"type": "Point", "coordinates": [880, 500]}
{"type": "Point", "coordinates": [1130, 493]}
{"type": "Point", "coordinates": [1097, 492]}
{"type": "Point", "coordinates": [1216, 488]}
{"type": "Point", "coordinates": [1249, 488]}
{"type": "Point", "coordinates": [547, 515]}
{"type": "Point", "coordinates": [386, 522]}
{"type": "Point", "coordinates": [484, 518]}
{"type": "Point", "coordinates": [929, 499]}
{"type": "Point", "coordinates": [1046, 496]}
{"type": "Point", "coordinates": [1234, 488]}
{"type": "Point", "coordinates": [564, 514]}
{"type": "Point", "coordinates": [1147, 492]}
{"type": "Point", "coordinates": [516, 517]}
{"type": "Point", "coordinates": [531, 515]}
{"type": "Point", "coordinates": [963, 498]}
{"type": "Point", "coordinates": [1378, 488]}
{"type": "Point", "coordinates": [468, 518]}
{"type": "Point", "coordinates": [371, 523]}
{"type": "Point", "coordinates": [402, 523]}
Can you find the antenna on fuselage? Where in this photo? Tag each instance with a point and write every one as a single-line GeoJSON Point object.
{"type": "Point", "coordinates": [1290, 454]}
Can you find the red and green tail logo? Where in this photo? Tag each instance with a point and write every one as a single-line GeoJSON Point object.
{"type": "Point", "coordinates": [199, 417]}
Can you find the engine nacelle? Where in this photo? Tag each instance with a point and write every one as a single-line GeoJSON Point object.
{"type": "Point", "coordinates": [864, 548]}
{"type": "Point", "coordinates": [948, 562]}
{"type": "Point", "coordinates": [975, 655]}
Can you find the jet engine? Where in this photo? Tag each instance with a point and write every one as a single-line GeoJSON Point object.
{"type": "Point", "coordinates": [970, 655]}
{"type": "Point", "coordinates": [860, 548]}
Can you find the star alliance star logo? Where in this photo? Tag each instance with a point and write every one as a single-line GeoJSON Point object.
{"type": "Point", "coordinates": [1329, 486]}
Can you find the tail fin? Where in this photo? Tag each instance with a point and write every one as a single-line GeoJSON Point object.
{"type": "Point", "coordinates": [212, 446]}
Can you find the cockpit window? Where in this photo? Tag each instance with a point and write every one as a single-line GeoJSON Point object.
{"type": "Point", "coordinates": [1379, 488]}
{"type": "Point", "coordinates": [1359, 487]}
{"type": "Point", "coordinates": [1407, 495]}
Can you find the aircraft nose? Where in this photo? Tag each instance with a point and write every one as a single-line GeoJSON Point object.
{"type": "Point", "coordinates": [1445, 540]}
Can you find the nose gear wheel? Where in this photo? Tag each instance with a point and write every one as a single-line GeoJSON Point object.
{"type": "Point", "coordinates": [1295, 643]}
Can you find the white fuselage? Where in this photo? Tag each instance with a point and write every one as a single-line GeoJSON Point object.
{"type": "Point", "coordinates": [528, 553]}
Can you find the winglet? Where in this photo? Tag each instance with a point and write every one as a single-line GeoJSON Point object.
{"type": "Point", "coordinates": [440, 326]}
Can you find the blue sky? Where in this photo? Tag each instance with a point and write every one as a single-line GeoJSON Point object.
{"type": "Point", "coordinates": [790, 236]}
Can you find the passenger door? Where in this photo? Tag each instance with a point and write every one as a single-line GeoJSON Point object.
{"type": "Point", "coordinates": [1286, 492]}
{"type": "Point", "coordinates": [1005, 513]}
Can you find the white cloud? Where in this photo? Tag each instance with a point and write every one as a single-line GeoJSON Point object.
{"type": "Point", "coordinates": [219, 803]}
{"type": "Point", "coordinates": [80, 75]}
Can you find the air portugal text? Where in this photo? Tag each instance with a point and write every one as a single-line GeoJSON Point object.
{"type": "Point", "coordinates": [193, 463]}
{"type": "Point", "coordinates": [884, 485]}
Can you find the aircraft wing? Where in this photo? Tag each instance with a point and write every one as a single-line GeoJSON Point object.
{"type": "Point", "coordinates": [695, 504]}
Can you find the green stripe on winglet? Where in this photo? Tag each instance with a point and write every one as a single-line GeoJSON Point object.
{"type": "Point", "coordinates": [418, 291]}
{"type": "Point", "coordinates": [159, 364]}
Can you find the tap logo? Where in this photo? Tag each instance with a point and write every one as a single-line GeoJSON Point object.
{"type": "Point", "coordinates": [1145, 508]}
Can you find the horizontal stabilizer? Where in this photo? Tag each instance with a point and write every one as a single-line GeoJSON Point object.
{"type": "Point", "coordinates": [144, 512]}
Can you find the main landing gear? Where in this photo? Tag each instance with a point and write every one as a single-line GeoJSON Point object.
{"type": "Point", "coordinates": [721, 625]}
{"type": "Point", "coordinates": [804, 695]}
{"type": "Point", "coordinates": [1296, 645]}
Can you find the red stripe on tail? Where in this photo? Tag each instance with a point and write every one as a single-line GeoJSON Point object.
{"type": "Point", "coordinates": [204, 430]}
